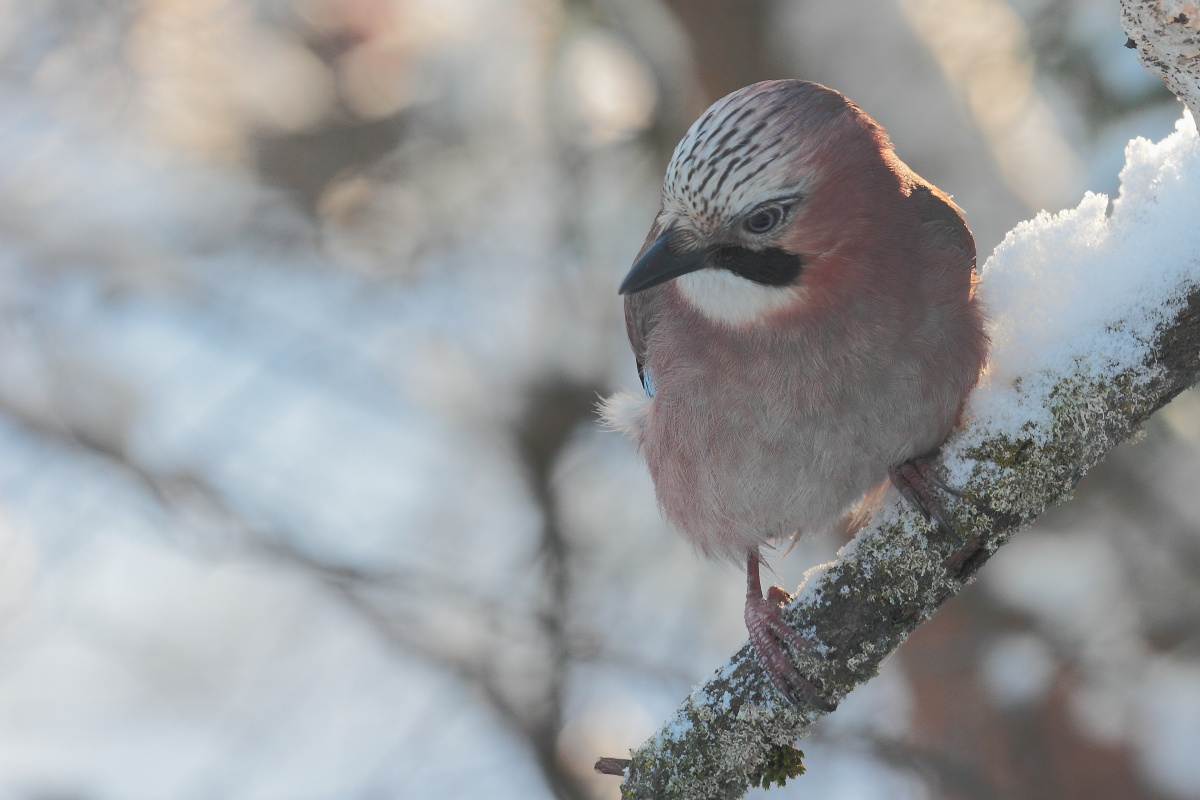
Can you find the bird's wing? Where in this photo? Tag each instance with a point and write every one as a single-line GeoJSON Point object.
{"type": "Point", "coordinates": [641, 315]}
{"type": "Point", "coordinates": [942, 223]}
{"type": "Point", "coordinates": [640, 318]}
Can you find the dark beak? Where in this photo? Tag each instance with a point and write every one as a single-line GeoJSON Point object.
{"type": "Point", "coordinates": [660, 264]}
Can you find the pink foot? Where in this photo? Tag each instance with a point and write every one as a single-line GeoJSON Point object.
{"type": "Point", "coordinates": [769, 632]}
{"type": "Point", "coordinates": [914, 479]}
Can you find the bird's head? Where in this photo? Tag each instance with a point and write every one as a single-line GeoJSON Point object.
{"type": "Point", "coordinates": [765, 200]}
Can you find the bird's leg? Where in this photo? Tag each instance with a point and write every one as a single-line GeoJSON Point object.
{"type": "Point", "coordinates": [914, 479]}
{"type": "Point", "coordinates": [769, 631]}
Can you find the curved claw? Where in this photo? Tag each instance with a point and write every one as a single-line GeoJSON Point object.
{"type": "Point", "coordinates": [778, 596]}
{"type": "Point", "coordinates": [912, 480]}
{"type": "Point", "coordinates": [931, 476]}
{"type": "Point", "coordinates": [769, 632]}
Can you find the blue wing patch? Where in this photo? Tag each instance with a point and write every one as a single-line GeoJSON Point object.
{"type": "Point", "coordinates": [648, 381]}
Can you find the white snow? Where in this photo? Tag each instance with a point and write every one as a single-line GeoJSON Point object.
{"type": "Point", "coordinates": [1083, 290]}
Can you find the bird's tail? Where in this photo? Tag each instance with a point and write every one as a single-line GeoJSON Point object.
{"type": "Point", "coordinates": [625, 412]}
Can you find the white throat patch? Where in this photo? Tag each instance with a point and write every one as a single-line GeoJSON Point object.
{"type": "Point", "coordinates": [732, 300]}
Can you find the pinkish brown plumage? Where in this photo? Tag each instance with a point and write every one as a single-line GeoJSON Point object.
{"type": "Point", "coordinates": [803, 316]}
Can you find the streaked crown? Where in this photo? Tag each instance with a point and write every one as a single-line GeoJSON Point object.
{"type": "Point", "coordinates": [744, 149]}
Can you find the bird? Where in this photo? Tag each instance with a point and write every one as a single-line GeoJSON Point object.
{"type": "Point", "coordinates": [806, 328]}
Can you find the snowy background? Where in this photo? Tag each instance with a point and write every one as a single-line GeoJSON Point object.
{"type": "Point", "coordinates": [304, 308]}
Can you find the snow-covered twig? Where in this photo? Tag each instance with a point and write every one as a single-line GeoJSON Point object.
{"type": "Point", "coordinates": [1096, 325]}
{"type": "Point", "coordinates": [1166, 34]}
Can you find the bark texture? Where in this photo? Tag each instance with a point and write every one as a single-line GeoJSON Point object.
{"type": "Point", "coordinates": [1166, 34]}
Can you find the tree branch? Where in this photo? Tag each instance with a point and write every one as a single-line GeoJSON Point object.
{"type": "Point", "coordinates": [734, 730]}
{"type": "Point", "coordinates": [1166, 34]}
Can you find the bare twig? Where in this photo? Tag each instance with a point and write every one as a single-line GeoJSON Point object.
{"type": "Point", "coordinates": [1165, 34]}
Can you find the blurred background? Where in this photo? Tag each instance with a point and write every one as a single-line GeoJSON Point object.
{"type": "Point", "coordinates": [304, 310]}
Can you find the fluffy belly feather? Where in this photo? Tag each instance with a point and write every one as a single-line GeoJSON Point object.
{"type": "Point", "coordinates": [736, 464]}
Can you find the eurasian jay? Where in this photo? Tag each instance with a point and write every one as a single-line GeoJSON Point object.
{"type": "Point", "coordinates": [804, 321]}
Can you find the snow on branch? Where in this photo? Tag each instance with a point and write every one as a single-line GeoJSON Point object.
{"type": "Point", "coordinates": [1166, 34]}
{"type": "Point", "coordinates": [1095, 319]}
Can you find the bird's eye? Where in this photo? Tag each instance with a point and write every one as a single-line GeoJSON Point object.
{"type": "Point", "coordinates": [764, 219]}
